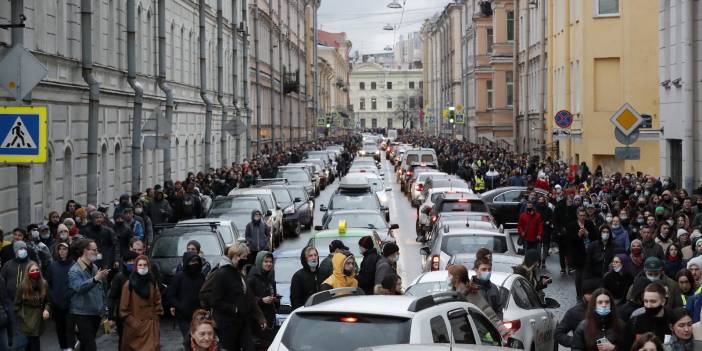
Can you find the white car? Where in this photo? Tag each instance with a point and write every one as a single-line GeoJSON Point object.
{"type": "Point", "coordinates": [528, 317]}
{"type": "Point", "coordinates": [424, 211]}
{"type": "Point", "coordinates": [347, 321]}
{"type": "Point", "coordinates": [416, 196]}
{"type": "Point", "coordinates": [377, 185]}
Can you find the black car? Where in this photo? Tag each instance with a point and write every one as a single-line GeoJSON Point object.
{"type": "Point", "coordinates": [504, 203]}
{"type": "Point", "coordinates": [293, 217]}
{"type": "Point", "coordinates": [305, 207]}
{"type": "Point", "coordinates": [171, 241]}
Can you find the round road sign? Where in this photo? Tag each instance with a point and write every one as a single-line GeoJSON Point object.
{"type": "Point", "coordinates": [564, 119]}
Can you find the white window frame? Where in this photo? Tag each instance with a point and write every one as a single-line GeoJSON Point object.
{"type": "Point", "coordinates": [599, 15]}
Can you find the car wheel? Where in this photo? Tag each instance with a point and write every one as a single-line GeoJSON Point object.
{"type": "Point", "coordinates": [297, 230]}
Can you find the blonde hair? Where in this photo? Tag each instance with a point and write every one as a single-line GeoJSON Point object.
{"type": "Point", "coordinates": [237, 249]}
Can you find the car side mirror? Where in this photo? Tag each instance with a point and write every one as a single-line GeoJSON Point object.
{"type": "Point", "coordinates": [551, 303]}
{"type": "Point", "coordinates": [318, 228]}
{"type": "Point", "coordinates": [424, 251]}
{"type": "Point", "coordinates": [297, 199]}
{"type": "Point", "coordinates": [514, 343]}
{"type": "Point", "coordinates": [323, 208]}
{"type": "Point", "coordinates": [388, 189]}
{"type": "Point", "coordinates": [394, 226]}
{"type": "Point", "coordinates": [269, 213]}
{"type": "Point", "coordinates": [383, 208]}
{"type": "Point", "coordinates": [241, 240]}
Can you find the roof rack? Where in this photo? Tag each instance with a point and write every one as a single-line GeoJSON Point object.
{"type": "Point", "coordinates": [432, 300]}
{"type": "Point", "coordinates": [271, 181]}
{"type": "Point", "coordinates": [332, 294]}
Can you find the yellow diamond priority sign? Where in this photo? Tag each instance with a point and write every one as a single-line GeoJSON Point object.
{"type": "Point", "coordinates": [626, 119]}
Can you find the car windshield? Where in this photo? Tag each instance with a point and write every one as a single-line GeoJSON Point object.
{"type": "Point", "coordinates": [308, 331]}
{"type": "Point", "coordinates": [436, 195]}
{"type": "Point", "coordinates": [428, 288]}
{"type": "Point", "coordinates": [285, 267]}
{"type": "Point", "coordinates": [282, 195]}
{"type": "Point", "coordinates": [293, 175]}
{"type": "Point", "coordinates": [466, 206]}
{"type": "Point", "coordinates": [234, 203]}
{"type": "Point", "coordinates": [370, 148]}
{"type": "Point", "coordinates": [361, 202]}
{"type": "Point", "coordinates": [298, 193]}
{"type": "Point", "coordinates": [360, 220]}
{"type": "Point", "coordinates": [455, 244]}
{"type": "Point", "coordinates": [168, 246]}
{"type": "Point", "coordinates": [240, 219]}
{"type": "Point", "coordinates": [322, 245]}
{"type": "Point", "coordinates": [364, 163]}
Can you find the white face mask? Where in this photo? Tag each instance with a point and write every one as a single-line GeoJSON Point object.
{"type": "Point", "coordinates": [143, 271]}
{"type": "Point", "coordinates": [63, 235]}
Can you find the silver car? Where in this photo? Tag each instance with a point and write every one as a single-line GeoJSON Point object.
{"type": "Point", "coordinates": [446, 243]}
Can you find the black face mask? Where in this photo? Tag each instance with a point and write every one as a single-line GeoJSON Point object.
{"type": "Point", "coordinates": [653, 311]}
{"type": "Point", "coordinates": [347, 273]}
{"type": "Point", "coordinates": [241, 264]}
{"type": "Point", "coordinates": [193, 269]}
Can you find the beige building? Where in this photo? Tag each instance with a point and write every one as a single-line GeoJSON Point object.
{"type": "Point", "coordinates": [334, 50]}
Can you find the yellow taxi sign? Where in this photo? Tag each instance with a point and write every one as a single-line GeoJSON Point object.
{"type": "Point", "coordinates": [342, 226]}
{"type": "Point", "coordinates": [626, 119]}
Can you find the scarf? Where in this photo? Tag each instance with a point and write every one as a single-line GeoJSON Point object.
{"type": "Point", "coordinates": [141, 284]}
{"type": "Point", "coordinates": [213, 346]}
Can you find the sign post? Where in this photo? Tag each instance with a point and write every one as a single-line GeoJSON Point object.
{"type": "Point", "coordinates": [23, 134]}
{"type": "Point", "coordinates": [626, 123]}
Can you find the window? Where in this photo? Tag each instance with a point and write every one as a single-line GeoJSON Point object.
{"type": "Point", "coordinates": [509, 82]}
{"type": "Point", "coordinates": [389, 103]}
{"type": "Point", "coordinates": [606, 7]}
{"type": "Point", "coordinates": [490, 40]}
{"type": "Point", "coordinates": [510, 25]}
{"type": "Point", "coordinates": [509, 196]}
{"type": "Point", "coordinates": [438, 330]}
{"type": "Point", "coordinates": [421, 84]}
{"type": "Point", "coordinates": [374, 123]}
{"type": "Point", "coordinates": [389, 85]}
{"type": "Point", "coordinates": [390, 123]}
{"type": "Point", "coordinates": [489, 93]}
{"type": "Point", "coordinates": [411, 85]}
{"type": "Point", "coordinates": [373, 86]}
{"type": "Point", "coordinates": [374, 104]}
{"type": "Point", "coordinates": [363, 122]}
{"type": "Point", "coordinates": [362, 104]}
{"type": "Point", "coordinates": [412, 102]}
{"type": "Point", "coordinates": [461, 329]}
{"type": "Point", "coordinates": [362, 85]}
{"type": "Point", "coordinates": [486, 331]}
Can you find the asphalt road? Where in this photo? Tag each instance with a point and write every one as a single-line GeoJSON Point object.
{"type": "Point", "coordinates": [409, 267]}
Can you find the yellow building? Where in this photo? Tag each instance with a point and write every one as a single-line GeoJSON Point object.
{"type": "Point", "coordinates": [602, 54]}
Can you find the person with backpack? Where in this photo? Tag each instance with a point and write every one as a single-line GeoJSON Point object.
{"type": "Point", "coordinates": [366, 275]}
{"type": "Point", "coordinates": [140, 309]}
{"type": "Point", "coordinates": [183, 293]}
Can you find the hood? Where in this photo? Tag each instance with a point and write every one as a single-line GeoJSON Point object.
{"type": "Point", "coordinates": [187, 257]}
{"type": "Point", "coordinates": [254, 212]}
{"type": "Point", "coordinates": [303, 257]}
{"type": "Point", "coordinates": [260, 257]}
{"type": "Point", "coordinates": [338, 279]}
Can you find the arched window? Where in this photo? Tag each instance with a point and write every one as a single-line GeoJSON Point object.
{"type": "Point", "coordinates": [118, 169]}
{"type": "Point", "coordinates": [103, 177]}
{"type": "Point", "coordinates": [181, 57]}
{"type": "Point", "coordinates": [67, 179]}
{"type": "Point", "coordinates": [48, 182]}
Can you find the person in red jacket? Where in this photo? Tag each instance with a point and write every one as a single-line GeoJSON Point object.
{"type": "Point", "coordinates": [542, 183]}
{"type": "Point", "coordinates": [530, 227]}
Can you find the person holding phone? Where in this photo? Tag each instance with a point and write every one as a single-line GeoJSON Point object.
{"type": "Point", "coordinates": [602, 330]}
{"type": "Point", "coordinates": [261, 280]}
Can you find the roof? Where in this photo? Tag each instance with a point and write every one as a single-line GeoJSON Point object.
{"type": "Point", "coordinates": [344, 212]}
{"type": "Point", "coordinates": [432, 347]}
{"type": "Point", "coordinates": [331, 39]}
{"type": "Point", "coordinates": [373, 304]}
{"type": "Point", "coordinates": [350, 232]}
{"type": "Point", "coordinates": [474, 231]}
{"type": "Point", "coordinates": [461, 195]}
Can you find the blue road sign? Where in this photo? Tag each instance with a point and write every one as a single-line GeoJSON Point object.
{"type": "Point", "coordinates": [23, 134]}
{"type": "Point", "coordinates": [564, 119]}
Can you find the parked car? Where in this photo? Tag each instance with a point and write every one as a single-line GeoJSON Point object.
{"type": "Point", "coordinates": [348, 320]}
{"type": "Point", "coordinates": [525, 315]}
{"type": "Point", "coordinates": [305, 207]}
{"type": "Point", "coordinates": [505, 202]}
{"type": "Point", "coordinates": [227, 228]}
{"type": "Point", "coordinates": [350, 237]}
{"type": "Point", "coordinates": [424, 215]}
{"type": "Point", "coordinates": [500, 262]}
{"type": "Point", "coordinates": [300, 176]}
{"type": "Point", "coordinates": [267, 196]}
{"type": "Point", "coordinates": [292, 220]}
{"type": "Point", "coordinates": [287, 262]}
{"type": "Point", "coordinates": [417, 185]}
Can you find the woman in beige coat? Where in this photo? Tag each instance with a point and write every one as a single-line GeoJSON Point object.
{"type": "Point", "coordinates": [140, 308]}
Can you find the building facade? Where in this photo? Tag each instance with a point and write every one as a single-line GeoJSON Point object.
{"type": "Point", "coordinates": [53, 35]}
{"type": "Point", "coordinates": [408, 50]}
{"type": "Point", "coordinates": [602, 56]}
{"type": "Point", "coordinates": [679, 87]}
{"type": "Point", "coordinates": [334, 50]}
{"type": "Point", "coordinates": [383, 98]}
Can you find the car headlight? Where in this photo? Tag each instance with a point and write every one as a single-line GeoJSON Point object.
{"type": "Point", "coordinates": [377, 152]}
{"type": "Point", "coordinates": [362, 152]}
{"type": "Point", "coordinates": [289, 210]}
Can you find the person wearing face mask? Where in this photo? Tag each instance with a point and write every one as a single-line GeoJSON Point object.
{"type": "Point", "coordinates": [599, 255]}
{"type": "Point", "coordinates": [653, 317]}
{"type": "Point", "coordinates": [673, 260]}
{"type": "Point", "coordinates": [114, 295]}
{"type": "Point", "coordinates": [343, 272]}
{"type": "Point", "coordinates": [682, 338]}
{"type": "Point", "coordinates": [306, 281]}
{"type": "Point", "coordinates": [87, 283]}
{"type": "Point", "coordinates": [233, 305]}
{"type": "Point", "coordinates": [183, 292]}
{"type": "Point", "coordinates": [59, 293]}
{"type": "Point", "coordinates": [573, 316]}
{"type": "Point", "coordinates": [140, 309]}
{"type": "Point", "coordinates": [663, 237]}
{"type": "Point", "coordinates": [620, 237]}
{"type": "Point", "coordinates": [366, 274]}
{"type": "Point", "coordinates": [601, 329]}
{"type": "Point", "coordinates": [579, 235]}
{"type": "Point", "coordinates": [387, 264]}
{"type": "Point", "coordinates": [261, 281]}
{"type": "Point", "coordinates": [530, 227]}
{"type": "Point", "coordinates": [258, 235]}
{"type": "Point", "coordinates": [488, 290]}
{"type": "Point", "coordinates": [142, 217]}
{"type": "Point", "coordinates": [12, 274]}
{"type": "Point", "coordinates": [618, 279]}
{"type": "Point", "coordinates": [32, 305]}
{"type": "Point", "coordinates": [653, 273]}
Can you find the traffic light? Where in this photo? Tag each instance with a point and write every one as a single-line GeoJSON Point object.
{"type": "Point", "coordinates": [452, 115]}
{"type": "Point", "coordinates": [329, 121]}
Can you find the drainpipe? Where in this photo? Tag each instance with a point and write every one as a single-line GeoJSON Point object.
{"type": "Point", "coordinates": [138, 96]}
{"type": "Point", "coordinates": [315, 75]}
{"type": "Point", "coordinates": [203, 86]}
{"type": "Point", "coordinates": [517, 79]}
{"type": "Point", "coordinates": [270, 65]}
{"type": "Point", "coordinates": [220, 82]}
{"type": "Point", "coordinates": [24, 171]}
{"type": "Point", "coordinates": [86, 42]}
{"type": "Point", "coordinates": [245, 74]}
{"type": "Point", "coordinates": [688, 144]}
{"type": "Point", "coordinates": [280, 70]}
{"type": "Point", "coordinates": [542, 63]}
{"type": "Point", "coordinates": [527, 46]}
{"type": "Point", "coordinates": [290, 100]}
{"type": "Point", "coordinates": [258, 82]}
{"type": "Point", "coordinates": [161, 80]}
{"type": "Point", "coordinates": [235, 78]}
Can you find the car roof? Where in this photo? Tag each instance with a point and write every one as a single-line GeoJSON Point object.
{"type": "Point", "coordinates": [473, 232]}
{"type": "Point", "coordinates": [433, 347]}
{"type": "Point", "coordinates": [508, 188]}
{"type": "Point", "coordinates": [222, 222]}
{"type": "Point", "coordinates": [438, 276]}
{"type": "Point", "coordinates": [384, 305]}
{"type": "Point", "coordinates": [335, 212]}
{"type": "Point", "coordinates": [504, 258]}
{"type": "Point", "coordinates": [350, 232]}
{"type": "Point", "coordinates": [449, 190]}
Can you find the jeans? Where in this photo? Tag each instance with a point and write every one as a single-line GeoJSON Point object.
{"type": "Point", "coordinates": [87, 331]}
{"type": "Point", "coordinates": [19, 341]}
{"type": "Point", "coordinates": [528, 245]}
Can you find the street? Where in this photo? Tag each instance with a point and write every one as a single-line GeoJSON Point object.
{"type": "Point", "coordinates": [409, 267]}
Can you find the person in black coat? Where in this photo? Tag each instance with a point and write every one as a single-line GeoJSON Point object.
{"type": "Point", "coordinates": [115, 293]}
{"type": "Point", "coordinates": [564, 214]}
{"type": "Point", "coordinates": [619, 278]}
{"type": "Point", "coordinates": [261, 281]}
{"type": "Point", "coordinates": [60, 294]}
{"type": "Point", "coordinates": [366, 276]}
{"type": "Point", "coordinates": [104, 238]}
{"type": "Point", "coordinates": [579, 235]}
{"type": "Point", "coordinates": [653, 317]}
{"type": "Point", "coordinates": [307, 280]}
{"type": "Point", "coordinates": [182, 294]}
{"type": "Point", "coordinates": [574, 315]}
{"type": "Point", "coordinates": [599, 255]}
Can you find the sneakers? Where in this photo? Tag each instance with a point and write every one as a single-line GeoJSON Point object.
{"type": "Point", "coordinates": [563, 272]}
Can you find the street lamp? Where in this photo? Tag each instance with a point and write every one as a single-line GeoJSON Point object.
{"type": "Point", "coordinates": [388, 27]}
{"type": "Point", "coordinates": [388, 48]}
{"type": "Point", "coordinates": [394, 5]}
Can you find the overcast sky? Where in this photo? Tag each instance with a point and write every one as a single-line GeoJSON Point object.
{"type": "Point", "coordinates": [363, 20]}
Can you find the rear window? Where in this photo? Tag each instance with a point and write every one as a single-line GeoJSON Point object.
{"type": "Point", "coordinates": [354, 203]}
{"type": "Point", "coordinates": [426, 289]}
{"type": "Point", "coordinates": [237, 204]}
{"type": "Point", "coordinates": [468, 206]}
{"type": "Point", "coordinates": [294, 175]}
{"type": "Point", "coordinates": [456, 244]}
{"type": "Point", "coordinates": [412, 158]}
{"type": "Point", "coordinates": [428, 158]}
{"type": "Point", "coordinates": [282, 195]}
{"type": "Point", "coordinates": [435, 196]}
{"type": "Point", "coordinates": [448, 183]}
{"type": "Point", "coordinates": [344, 331]}
{"type": "Point", "coordinates": [169, 247]}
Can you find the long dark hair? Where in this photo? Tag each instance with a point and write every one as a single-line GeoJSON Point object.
{"type": "Point", "coordinates": [594, 320]}
{"type": "Point", "coordinates": [644, 338]}
{"type": "Point", "coordinates": [686, 272]}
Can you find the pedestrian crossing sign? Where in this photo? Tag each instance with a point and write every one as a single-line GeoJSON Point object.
{"type": "Point", "coordinates": [23, 134]}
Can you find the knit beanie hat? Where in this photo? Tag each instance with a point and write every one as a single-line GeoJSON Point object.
{"type": "Point", "coordinates": [531, 257]}
{"type": "Point", "coordinates": [366, 242]}
{"type": "Point", "coordinates": [17, 245]}
{"type": "Point", "coordinates": [390, 249]}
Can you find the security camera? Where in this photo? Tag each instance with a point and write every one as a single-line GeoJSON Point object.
{"type": "Point", "coordinates": [22, 17]}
